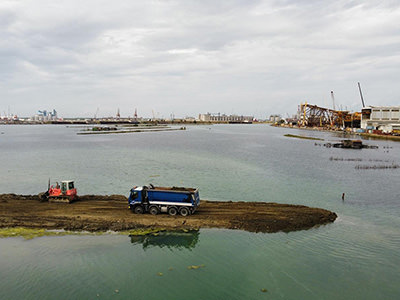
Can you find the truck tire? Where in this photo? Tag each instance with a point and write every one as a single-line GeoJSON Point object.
{"type": "Point", "coordinates": [138, 210]}
{"type": "Point", "coordinates": [184, 212]}
{"type": "Point", "coordinates": [172, 211]}
{"type": "Point", "coordinates": [154, 210]}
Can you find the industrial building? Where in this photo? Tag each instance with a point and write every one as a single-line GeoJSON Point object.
{"type": "Point", "coordinates": [385, 118]}
{"type": "Point", "coordinates": [275, 118]}
{"type": "Point", "coordinates": [44, 115]}
{"type": "Point", "coordinates": [208, 117]}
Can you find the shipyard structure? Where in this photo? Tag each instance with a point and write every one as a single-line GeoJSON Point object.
{"type": "Point", "coordinates": [373, 119]}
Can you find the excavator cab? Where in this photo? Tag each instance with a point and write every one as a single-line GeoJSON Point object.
{"type": "Point", "coordinates": [67, 185]}
{"type": "Point", "coordinates": [68, 189]}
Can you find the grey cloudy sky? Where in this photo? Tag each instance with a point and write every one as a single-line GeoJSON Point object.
{"type": "Point", "coordinates": [190, 57]}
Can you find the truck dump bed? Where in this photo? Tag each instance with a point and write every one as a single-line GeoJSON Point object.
{"type": "Point", "coordinates": [174, 188]}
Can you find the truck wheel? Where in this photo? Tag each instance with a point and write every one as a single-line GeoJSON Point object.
{"type": "Point", "coordinates": [138, 210]}
{"type": "Point", "coordinates": [153, 210]}
{"type": "Point", "coordinates": [172, 211]}
{"type": "Point", "coordinates": [184, 212]}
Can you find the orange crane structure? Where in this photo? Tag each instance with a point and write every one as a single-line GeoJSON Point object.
{"type": "Point", "coordinates": [316, 116]}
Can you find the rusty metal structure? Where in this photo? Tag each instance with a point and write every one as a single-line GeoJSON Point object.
{"type": "Point", "coordinates": [316, 116]}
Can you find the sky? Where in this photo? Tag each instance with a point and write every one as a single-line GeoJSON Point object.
{"type": "Point", "coordinates": [188, 57]}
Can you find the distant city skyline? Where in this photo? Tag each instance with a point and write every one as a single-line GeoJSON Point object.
{"type": "Point", "coordinates": [185, 57]}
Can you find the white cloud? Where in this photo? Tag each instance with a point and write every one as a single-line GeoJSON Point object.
{"type": "Point", "coordinates": [250, 57]}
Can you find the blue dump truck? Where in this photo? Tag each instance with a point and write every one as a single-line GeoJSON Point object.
{"type": "Point", "coordinates": [171, 200]}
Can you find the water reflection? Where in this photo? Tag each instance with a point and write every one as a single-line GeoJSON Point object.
{"type": "Point", "coordinates": [169, 239]}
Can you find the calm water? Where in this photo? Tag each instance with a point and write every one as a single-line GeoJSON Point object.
{"type": "Point", "coordinates": [357, 257]}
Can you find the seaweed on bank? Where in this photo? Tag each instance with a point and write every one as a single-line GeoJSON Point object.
{"type": "Point", "coordinates": [30, 233]}
{"type": "Point", "coordinates": [303, 137]}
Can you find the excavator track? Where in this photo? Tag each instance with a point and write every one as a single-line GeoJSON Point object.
{"type": "Point", "coordinates": [55, 199]}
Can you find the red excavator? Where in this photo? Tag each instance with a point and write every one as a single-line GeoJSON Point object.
{"type": "Point", "coordinates": [65, 193]}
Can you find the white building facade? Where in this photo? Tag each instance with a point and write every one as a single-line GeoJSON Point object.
{"type": "Point", "coordinates": [224, 118]}
{"type": "Point", "coordinates": [385, 118]}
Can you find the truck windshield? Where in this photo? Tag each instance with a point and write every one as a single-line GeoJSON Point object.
{"type": "Point", "coordinates": [70, 185]}
{"type": "Point", "coordinates": [134, 195]}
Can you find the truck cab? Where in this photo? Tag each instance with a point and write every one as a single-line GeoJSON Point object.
{"type": "Point", "coordinates": [137, 196]}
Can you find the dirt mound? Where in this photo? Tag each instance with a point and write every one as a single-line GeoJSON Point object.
{"type": "Point", "coordinates": [102, 213]}
{"type": "Point", "coordinates": [103, 198]}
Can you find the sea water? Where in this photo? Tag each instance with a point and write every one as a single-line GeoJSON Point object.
{"type": "Point", "coordinates": [356, 257]}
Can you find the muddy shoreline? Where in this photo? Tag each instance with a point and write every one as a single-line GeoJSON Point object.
{"type": "Point", "coordinates": [102, 213]}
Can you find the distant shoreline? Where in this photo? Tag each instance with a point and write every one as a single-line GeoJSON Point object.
{"type": "Point", "coordinates": [363, 134]}
{"type": "Point", "coordinates": [79, 121]}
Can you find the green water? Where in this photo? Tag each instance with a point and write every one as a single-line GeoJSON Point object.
{"type": "Point", "coordinates": [356, 257]}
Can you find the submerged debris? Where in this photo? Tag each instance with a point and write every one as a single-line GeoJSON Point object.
{"type": "Point", "coordinates": [348, 144]}
{"type": "Point", "coordinates": [344, 159]}
{"type": "Point", "coordinates": [114, 130]}
{"type": "Point", "coordinates": [377, 167]}
{"type": "Point", "coordinates": [195, 267]}
{"type": "Point", "coordinates": [356, 159]}
{"type": "Point", "coordinates": [98, 128]}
